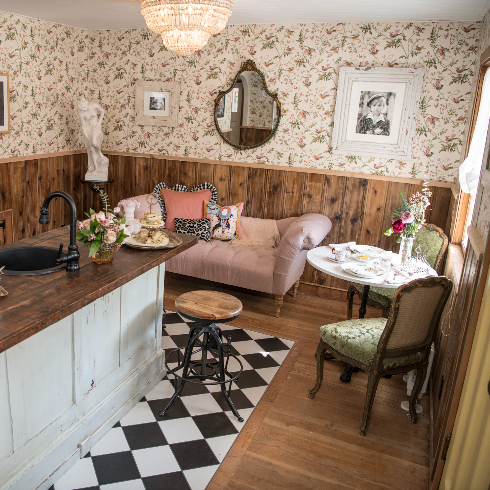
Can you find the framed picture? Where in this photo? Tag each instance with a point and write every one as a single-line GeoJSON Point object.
{"type": "Point", "coordinates": [376, 111]}
{"type": "Point", "coordinates": [220, 108]}
{"type": "Point", "coordinates": [157, 103]}
{"type": "Point", "coordinates": [4, 104]}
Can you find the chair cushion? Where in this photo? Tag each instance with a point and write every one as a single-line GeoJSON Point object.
{"type": "Point", "coordinates": [358, 339]}
{"type": "Point", "coordinates": [383, 296]}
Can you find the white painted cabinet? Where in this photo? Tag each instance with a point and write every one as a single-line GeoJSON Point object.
{"type": "Point", "coordinates": [64, 387]}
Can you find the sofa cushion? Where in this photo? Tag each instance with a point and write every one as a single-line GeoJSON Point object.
{"type": "Point", "coordinates": [183, 188]}
{"type": "Point", "coordinates": [219, 261]}
{"type": "Point", "coordinates": [224, 220]}
{"type": "Point", "coordinates": [195, 227]}
{"type": "Point", "coordinates": [188, 205]}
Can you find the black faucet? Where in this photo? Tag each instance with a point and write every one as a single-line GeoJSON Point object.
{"type": "Point", "coordinates": [71, 258]}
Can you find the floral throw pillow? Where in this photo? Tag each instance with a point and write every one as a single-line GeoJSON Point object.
{"type": "Point", "coordinates": [195, 227]}
{"type": "Point", "coordinates": [224, 220]}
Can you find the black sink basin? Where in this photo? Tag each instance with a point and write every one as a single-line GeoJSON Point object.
{"type": "Point", "coordinates": [28, 261]}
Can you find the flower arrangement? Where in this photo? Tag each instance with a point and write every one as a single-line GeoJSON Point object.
{"type": "Point", "coordinates": [103, 229]}
{"type": "Point", "coordinates": [408, 219]}
{"type": "Point", "coordinates": [130, 201]}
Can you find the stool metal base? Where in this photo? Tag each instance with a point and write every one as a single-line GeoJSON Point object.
{"type": "Point", "coordinates": [215, 371]}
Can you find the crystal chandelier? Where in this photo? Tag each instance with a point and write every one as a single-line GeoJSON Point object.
{"type": "Point", "coordinates": [186, 25]}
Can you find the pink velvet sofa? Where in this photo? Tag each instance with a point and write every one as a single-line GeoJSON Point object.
{"type": "Point", "coordinates": [269, 270]}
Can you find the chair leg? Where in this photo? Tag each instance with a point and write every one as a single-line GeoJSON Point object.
{"type": "Point", "coordinates": [373, 380]}
{"type": "Point", "coordinates": [412, 403]}
{"type": "Point", "coordinates": [350, 302]}
{"type": "Point", "coordinates": [295, 288]}
{"type": "Point", "coordinates": [320, 359]}
{"type": "Point", "coordinates": [279, 300]}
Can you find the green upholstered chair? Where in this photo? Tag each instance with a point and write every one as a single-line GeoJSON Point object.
{"type": "Point", "coordinates": [433, 243]}
{"type": "Point", "coordinates": [390, 346]}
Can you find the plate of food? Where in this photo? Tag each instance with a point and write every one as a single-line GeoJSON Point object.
{"type": "Point", "coordinates": [153, 239]}
{"type": "Point", "coordinates": [362, 270]}
{"type": "Point", "coordinates": [364, 258]}
{"type": "Point", "coordinates": [367, 249]}
{"type": "Point", "coordinates": [152, 220]}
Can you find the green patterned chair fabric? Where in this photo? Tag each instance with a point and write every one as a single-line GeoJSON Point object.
{"type": "Point", "coordinates": [433, 243]}
{"type": "Point", "coordinates": [359, 339]}
{"type": "Point", "coordinates": [393, 345]}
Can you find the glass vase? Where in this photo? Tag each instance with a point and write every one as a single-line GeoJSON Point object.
{"type": "Point", "coordinates": [105, 254]}
{"type": "Point", "coordinates": [405, 249]}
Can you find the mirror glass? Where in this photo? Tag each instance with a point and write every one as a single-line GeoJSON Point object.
{"type": "Point", "coordinates": [247, 116]}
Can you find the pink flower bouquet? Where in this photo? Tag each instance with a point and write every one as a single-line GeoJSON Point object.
{"type": "Point", "coordinates": [102, 228]}
{"type": "Point", "coordinates": [408, 219]}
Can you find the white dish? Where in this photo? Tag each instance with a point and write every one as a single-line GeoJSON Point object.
{"type": "Point", "coordinates": [361, 270]}
{"type": "Point", "coordinates": [367, 249]}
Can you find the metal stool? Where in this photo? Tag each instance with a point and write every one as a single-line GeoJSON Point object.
{"type": "Point", "coordinates": [204, 308]}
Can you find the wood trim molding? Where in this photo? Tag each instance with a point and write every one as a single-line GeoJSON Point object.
{"type": "Point", "coordinates": [476, 241]}
{"type": "Point", "coordinates": [27, 158]}
{"type": "Point", "coordinates": [433, 183]}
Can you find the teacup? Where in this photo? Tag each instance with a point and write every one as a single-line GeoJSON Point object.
{"type": "Point", "coordinates": [341, 255]}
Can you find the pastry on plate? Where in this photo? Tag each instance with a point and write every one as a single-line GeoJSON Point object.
{"type": "Point", "coordinates": [151, 219]}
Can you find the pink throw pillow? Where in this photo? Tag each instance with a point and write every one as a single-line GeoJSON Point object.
{"type": "Point", "coordinates": [188, 205]}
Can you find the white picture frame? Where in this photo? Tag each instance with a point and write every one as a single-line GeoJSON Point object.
{"type": "Point", "coordinates": [157, 103]}
{"type": "Point", "coordinates": [382, 132]}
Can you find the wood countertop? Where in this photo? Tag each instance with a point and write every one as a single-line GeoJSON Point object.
{"type": "Point", "coordinates": [36, 302]}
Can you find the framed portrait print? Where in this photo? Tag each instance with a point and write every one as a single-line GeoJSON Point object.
{"type": "Point", "coordinates": [4, 104]}
{"type": "Point", "coordinates": [376, 111]}
{"type": "Point", "coordinates": [157, 103]}
{"type": "Point", "coordinates": [220, 108]}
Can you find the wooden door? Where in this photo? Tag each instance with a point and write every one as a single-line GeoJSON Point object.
{"type": "Point", "coordinates": [453, 349]}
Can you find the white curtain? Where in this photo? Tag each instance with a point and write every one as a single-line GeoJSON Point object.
{"type": "Point", "coordinates": [469, 170]}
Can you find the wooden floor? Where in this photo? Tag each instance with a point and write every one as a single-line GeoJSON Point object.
{"type": "Point", "coordinates": [292, 442]}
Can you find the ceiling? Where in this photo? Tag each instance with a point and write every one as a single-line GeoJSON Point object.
{"type": "Point", "coordinates": [124, 14]}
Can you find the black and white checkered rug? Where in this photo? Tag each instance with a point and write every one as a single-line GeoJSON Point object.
{"type": "Point", "coordinates": [183, 449]}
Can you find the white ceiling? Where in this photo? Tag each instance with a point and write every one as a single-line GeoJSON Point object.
{"type": "Point", "coordinates": [123, 14]}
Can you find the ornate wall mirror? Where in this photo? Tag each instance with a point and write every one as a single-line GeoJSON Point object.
{"type": "Point", "coordinates": [247, 114]}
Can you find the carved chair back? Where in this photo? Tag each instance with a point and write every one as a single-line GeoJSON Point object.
{"type": "Point", "coordinates": [433, 243]}
{"type": "Point", "coordinates": [415, 313]}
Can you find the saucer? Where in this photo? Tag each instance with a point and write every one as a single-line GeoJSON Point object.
{"type": "Point", "coordinates": [362, 270]}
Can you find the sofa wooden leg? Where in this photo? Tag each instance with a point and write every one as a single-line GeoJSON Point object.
{"type": "Point", "coordinates": [279, 300]}
{"type": "Point", "coordinates": [295, 288]}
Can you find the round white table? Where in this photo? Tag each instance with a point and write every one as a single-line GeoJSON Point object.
{"type": "Point", "coordinates": [318, 258]}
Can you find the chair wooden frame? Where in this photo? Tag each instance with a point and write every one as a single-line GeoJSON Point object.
{"type": "Point", "coordinates": [376, 369]}
{"type": "Point", "coordinates": [385, 310]}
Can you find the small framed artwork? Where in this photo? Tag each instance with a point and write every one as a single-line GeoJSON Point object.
{"type": "Point", "coordinates": [157, 103]}
{"type": "Point", "coordinates": [4, 104]}
{"type": "Point", "coordinates": [376, 111]}
{"type": "Point", "coordinates": [220, 108]}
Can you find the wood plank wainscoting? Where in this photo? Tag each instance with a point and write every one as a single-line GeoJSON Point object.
{"type": "Point", "coordinates": [360, 206]}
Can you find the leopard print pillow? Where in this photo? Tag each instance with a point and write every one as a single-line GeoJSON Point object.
{"type": "Point", "coordinates": [195, 227]}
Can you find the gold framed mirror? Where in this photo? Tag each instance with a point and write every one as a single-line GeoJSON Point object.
{"type": "Point", "coordinates": [247, 114]}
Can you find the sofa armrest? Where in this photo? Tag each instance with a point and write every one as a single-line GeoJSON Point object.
{"type": "Point", "coordinates": [304, 233]}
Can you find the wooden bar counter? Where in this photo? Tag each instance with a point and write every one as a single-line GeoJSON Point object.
{"type": "Point", "coordinates": [77, 352]}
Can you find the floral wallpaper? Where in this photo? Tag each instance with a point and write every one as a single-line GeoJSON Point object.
{"type": "Point", "coordinates": [259, 107]}
{"type": "Point", "coordinates": [301, 63]}
{"type": "Point", "coordinates": [50, 65]}
{"type": "Point", "coordinates": [47, 67]}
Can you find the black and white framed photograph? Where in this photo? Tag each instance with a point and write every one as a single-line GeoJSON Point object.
{"type": "Point", "coordinates": [4, 104]}
{"type": "Point", "coordinates": [157, 103]}
{"type": "Point", "coordinates": [376, 111]}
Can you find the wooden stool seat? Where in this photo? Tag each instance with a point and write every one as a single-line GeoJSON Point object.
{"type": "Point", "coordinates": [208, 305]}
